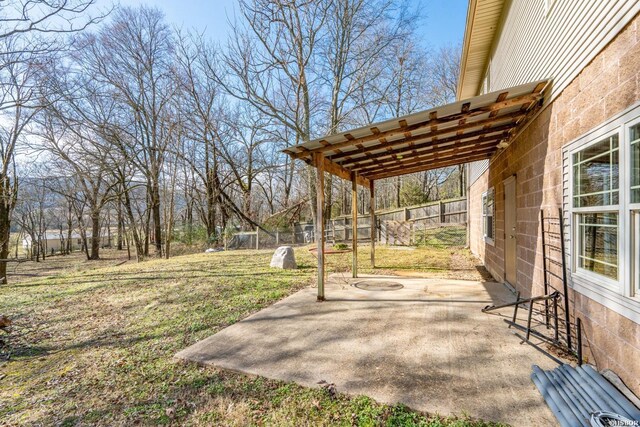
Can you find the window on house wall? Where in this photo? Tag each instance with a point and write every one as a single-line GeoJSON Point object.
{"type": "Point", "coordinates": [634, 136]}
{"type": "Point", "coordinates": [595, 199]}
{"type": "Point", "coordinates": [488, 211]}
{"type": "Point", "coordinates": [605, 212]}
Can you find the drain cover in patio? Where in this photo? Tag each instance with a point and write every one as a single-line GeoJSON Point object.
{"type": "Point", "coordinates": [378, 285]}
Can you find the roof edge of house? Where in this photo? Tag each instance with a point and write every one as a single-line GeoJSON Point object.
{"type": "Point", "coordinates": [472, 42]}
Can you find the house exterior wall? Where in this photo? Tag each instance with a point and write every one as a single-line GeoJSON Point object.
{"type": "Point", "coordinates": [608, 85]}
{"type": "Point", "coordinates": [552, 39]}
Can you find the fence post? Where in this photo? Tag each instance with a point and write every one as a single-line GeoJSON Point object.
{"type": "Point", "coordinates": [257, 238]}
{"type": "Point", "coordinates": [333, 227]}
{"type": "Point", "coordinates": [386, 233]}
{"type": "Point", "coordinates": [277, 237]}
{"type": "Point", "coordinates": [442, 216]}
{"type": "Point", "coordinates": [406, 214]}
{"type": "Point", "coordinates": [412, 234]}
{"type": "Point", "coordinates": [424, 233]}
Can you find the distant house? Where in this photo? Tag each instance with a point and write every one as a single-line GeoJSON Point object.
{"type": "Point", "coordinates": [54, 241]}
{"type": "Point", "coordinates": [578, 158]}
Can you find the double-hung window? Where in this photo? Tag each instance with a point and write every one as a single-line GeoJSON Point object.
{"type": "Point", "coordinates": [488, 211]}
{"type": "Point", "coordinates": [604, 211]}
{"type": "Point", "coordinates": [595, 202]}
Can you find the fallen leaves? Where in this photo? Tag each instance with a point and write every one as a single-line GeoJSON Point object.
{"type": "Point", "coordinates": [329, 387]}
{"type": "Point", "coordinates": [5, 323]}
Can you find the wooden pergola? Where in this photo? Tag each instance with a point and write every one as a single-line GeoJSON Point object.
{"type": "Point", "coordinates": [461, 132]}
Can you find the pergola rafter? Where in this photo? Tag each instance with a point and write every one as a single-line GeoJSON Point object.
{"type": "Point", "coordinates": [421, 145]}
{"type": "Point", "coordinates": [437, 152]}
{"type": "Point", "coordinates": [461, 132]}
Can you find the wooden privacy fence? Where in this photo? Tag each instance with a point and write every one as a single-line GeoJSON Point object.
{"type": "Point", "coordinates": [399, 226]}
{"type": "Point", "coordinates": [443, 221]}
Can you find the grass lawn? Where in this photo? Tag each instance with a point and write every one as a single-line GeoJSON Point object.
{"type": "Point", "coordinates": [92, 344]}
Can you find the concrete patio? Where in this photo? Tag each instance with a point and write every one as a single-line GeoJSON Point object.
{"type": "Point", "coordinates": [426, 344]}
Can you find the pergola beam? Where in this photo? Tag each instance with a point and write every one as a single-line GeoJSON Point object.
{"type": "Point", "coordinates": [427, 166]}
{"type": "Point", "coordinates": [512, 119]}
{"type": "Point", "coordinates": [372, 213]}
{"type": "Point", "coordinates": [319, 161]}
{"type": "Point", "coordinates": [421, 145]}
{"type": "Point", "coordinates": [339, 171]}
{"type": "Point", "coordinates": [453, 150]}
{"type": "Point", "coordinates": [401, 131]}
{"type": "Point", "coordinates": [354, 226]}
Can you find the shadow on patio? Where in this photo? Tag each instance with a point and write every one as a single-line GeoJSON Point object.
{"type": "Point", "coordinates": [426, 344]}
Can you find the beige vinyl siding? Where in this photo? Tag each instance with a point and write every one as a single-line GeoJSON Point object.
{"type": "Point", "coordinates": [476, 169]}
{"type": "Point", "coordinates": [532, 44]}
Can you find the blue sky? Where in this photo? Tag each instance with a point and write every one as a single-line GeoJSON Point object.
{"type": "Point", "coordinates": [443, 24]}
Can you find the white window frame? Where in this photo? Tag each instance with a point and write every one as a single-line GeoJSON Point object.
{"type": "Point", "coordinates": [633, 212]}
{"type": "Point", "coordinates": [635, 253]}
{"type": "Point", "coordinates": [622, 295]}
{"type": "Point", "coordinates": [613, 284]}
{"type": "Point", "coordinates": [489, 239]}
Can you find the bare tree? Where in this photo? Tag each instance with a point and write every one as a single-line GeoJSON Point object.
{"type": "Point", "coordinates": [31, 31]}
{"type": "Point", "coordinates": [445, 69]}
{"type": "Point", "coordinates": [82, 152]}
{"type": "Point", "coordinates": [31, 216]}
{"type": "Point", "coordinates": [359, 34]}
{"type": "Point", "coordinates": [201, 103]}
{"type": "Point", "coordinates": [133, 54]}
{"type": "Point", "coordinates": [269, 63]}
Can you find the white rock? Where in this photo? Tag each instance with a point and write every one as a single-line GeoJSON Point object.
{"type": "Point", "coordinates": [284, 258]}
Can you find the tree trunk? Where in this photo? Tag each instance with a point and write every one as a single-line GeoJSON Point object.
{"type": "Point", "coordinates": [147, 231]}
{"type": "Point", "coordinates": [157, 221]}
{"type": "Point", "coordinates": [5, 227]}
{"type": "Point", "coordinates": [108, 228]}
{"type": "Point", "coordinates": [140, 250]}
{"type": "Point", "coordinates": [120, 225]}
{"type": "Point", "coordinates": [246, 205]}
{"type": "Point", "coordinates": [4, 250]}
{"type": "Point", "coordinates": [128, 247]}
{"type": "Point", "coordinates": [69, 229]}
{"type": "Point", "coordinates": [95, 235]}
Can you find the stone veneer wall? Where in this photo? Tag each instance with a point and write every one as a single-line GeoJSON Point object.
{"type": "Point", "coordinates": [607, 86]}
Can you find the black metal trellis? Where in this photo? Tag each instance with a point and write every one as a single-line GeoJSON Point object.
{"type": "Point", "coordinates": [554, 254]}
{"type": "Point", "coordinates": [556, 289]}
